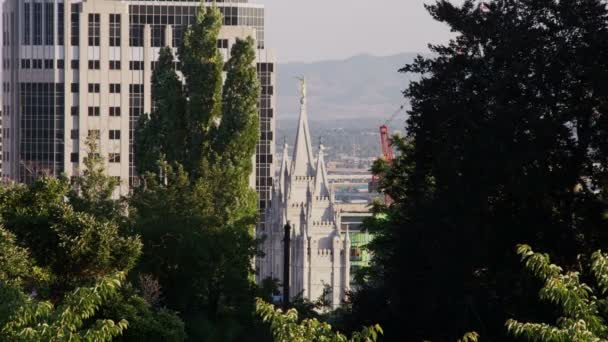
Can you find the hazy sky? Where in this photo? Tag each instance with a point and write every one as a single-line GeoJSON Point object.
{"type": "Point", "coordinates": [309, 30]}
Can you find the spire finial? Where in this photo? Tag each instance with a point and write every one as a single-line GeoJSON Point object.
{"type": "Point", "coordinates": [303, 88]}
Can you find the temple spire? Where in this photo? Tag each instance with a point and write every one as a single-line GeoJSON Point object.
{"type": "Point", "coordinates": [302, 155]}
{"type": "Point", "coordinates": [321, 182]}
{"type": "Point", "coordinates": [284, 172]}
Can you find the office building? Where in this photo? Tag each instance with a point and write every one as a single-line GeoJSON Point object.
{"type": "Point", "coordinates": [75, 68]}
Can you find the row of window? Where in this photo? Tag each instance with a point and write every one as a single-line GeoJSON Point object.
{"type": "Point", "coordinates": [75, 64]}
{"type": "Point", "coordinates": [177, 16]}
{"type": "Point", "coordinates": [114, 88]}
{"type": "Point", "coordinates": [112, 157]}
{"type": "Point", "coordinates": [96, 111]}
{"type": "Point", "coordinates": [114, 134]}
{"type": "Point", "coordinates": [95, 88]}
{"type": "Point", "coordinates": [115, 65]}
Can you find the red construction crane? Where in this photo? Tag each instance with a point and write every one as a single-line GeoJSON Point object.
{"type": "Point", "coordinates": [387, 148]}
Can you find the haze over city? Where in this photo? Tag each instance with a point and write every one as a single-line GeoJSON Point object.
{"type": "Point", "coordinates": [313, 30]}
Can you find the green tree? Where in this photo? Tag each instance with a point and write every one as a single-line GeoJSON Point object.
{"type": "Point", "coordinates": [78, 238]}
{"type": "Point", "coordinates": [201, 258]}
{"type": "Point", "coordinates": [147, 322]}
{"type": "Point", "coordinates": [506, 142]}
{"type": "Point", "coordinates": [163, 134]}
{"type": "Point", "coordinates": [34, 320]}
{"type": "Point", "coordinates": [202, 66]}
{"type": "Point", "coordinates": [286, 327]}
{"type": "Point", "coordinates": [75, 247]}
{"type": "Point", "coordinates": [582, 308]}
{"type": "Point", "coordinates": [93, 188]}
{"type": "Point", "coordinates": [195, 210]}
{"type": "Point", "coordinates": [239, 129]}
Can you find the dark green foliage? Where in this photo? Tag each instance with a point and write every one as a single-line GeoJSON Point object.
{"type": "Point", "coordinates": [146, 323]}
{"type": "Point", "coordinates": [288, 327]}
{"type": "Point", "coordinates": [505, 143]}
{"type": "Point", "coordinates": [239, 130]}
{"type": "Point", "coordinates": [582, 307]}
{"type": "Point", "coordinates": [200, 248]}
{"type": "Point", "coordinates": [202, 66]}
{"type": "Point", "coordinates": [163, 134]}
{"type": "Point", "coordinates": [75, 246]}
{"type": "Point", "coordinates": [195, 210]}
{"type": "Point", "coordinates": [76, 258]}
{"type": "Point", "coordinates": [72, 320]}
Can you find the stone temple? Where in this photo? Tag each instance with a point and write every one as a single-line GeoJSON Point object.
{"type": "Point", "coordinates": [302, 196]}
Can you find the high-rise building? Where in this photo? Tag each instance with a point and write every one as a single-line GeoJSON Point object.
{"type": "Point", "coordinates": [75, 68]}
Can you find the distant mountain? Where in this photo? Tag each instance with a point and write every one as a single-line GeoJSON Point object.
{"type": "Point", "coordinates": [363, 86]}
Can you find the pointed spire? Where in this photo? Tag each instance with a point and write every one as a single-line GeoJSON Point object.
{"type": "Point", "coordinates": [302, 154]}
{"type": "Point", "coordinates": [284, 172]}
{"type": "Point", "coordinates": [321, 182]}
{"type": "Point", "coordinates": [347, 237]}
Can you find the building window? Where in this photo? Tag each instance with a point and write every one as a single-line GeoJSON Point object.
{"type": "Point", "coordinates": [115, 88]}
{"type": "Point", "coordinates": [49, 36]}
{"type": "Point", "coordinates": [266, 67]}
{"type": "Point", "coordinates": [74, 157]}
{"type": "Point", "coordinates": [75, 87]}
{"type": "Point", "coordinates": [60, 21]}
{"type": "Point", "coordinates": [158, 35]}
{"type": "Point", "coordinates": [94, 133]}
{"type": "Point", "coordinates": [94, 64]}
{"type": "Point", "coordinates": [114, 29]}
{"type": "Point", "coordinates": [178, 32]}
{"type": "Point", "coordinates": [136, 65]}
{"type": "Point", "coordinates": [48, 64]}
{"type": "Point", "coordinates": [94, 111]}
{"type": "Point", "coordinates": [114, 134]}
{"type": "Point", "coordinates": [74, 134]}
{"type": "Point", "coordinates": [114, 65]}
{"type": "Point", "coordinates": [36, 63]}
{"type": "Point", "coordinates": [94, 30]}
{"type": "Point", "coordinates": [222, 43]}
{"type": "Point", "coordinates": [26, 23]}
{"type": "Point", "coordinates": [75, 31]}
{"type": "Point", "coordinates": [74, 110]}
{"type": "Point", "coordinates": [60, 64]}
{"type": "Point", "coordinates": [94, 87]}
{"type": "Point", "coordinates": [114, 111]}
{"type": "Point", "coordinates": [25, 64]}
{"type": "Point", "coordinates": [37, 22]}
{"type": "Point", "coordinates": [136, 35]}
{"type": "Point", "coordinates": [114, 158]}
{"type": "Point", "coordinates": [75, 64]}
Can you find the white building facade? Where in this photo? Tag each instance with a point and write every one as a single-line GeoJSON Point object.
{"type": "Point", "coordinates": [74, 68]}
{"type": "Point", "coordinates": [302, 197]}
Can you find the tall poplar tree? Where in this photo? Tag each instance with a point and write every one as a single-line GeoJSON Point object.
{"type": "Point", "coordinates": [202, 66]}
{"type": "Point", "coordinates": [196, 214]}
{"type": "Point", "coordinates": [239, 129]}
{"type": "Point", "coordinates": [164, 133]}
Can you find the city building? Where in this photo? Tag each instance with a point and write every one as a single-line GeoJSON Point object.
{"type": "Point", "coordinates": [302, 197]}
{"type": "Point", "coordinates": [351, 219]}
{"type": "Point", "coordinates": [74, 68]}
